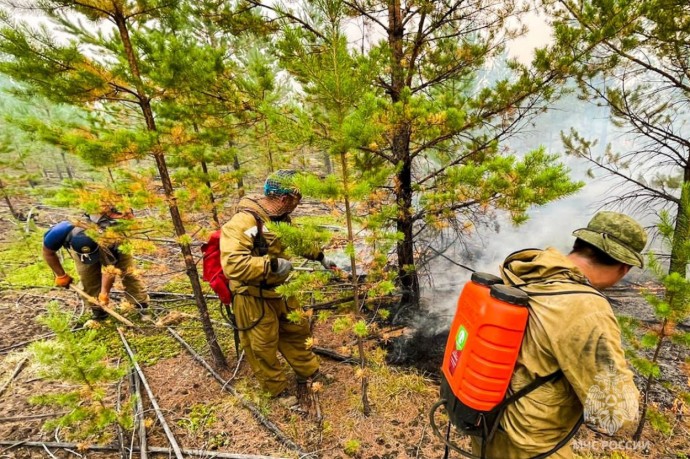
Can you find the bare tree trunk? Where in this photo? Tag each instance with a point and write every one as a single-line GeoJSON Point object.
{"type": "Point", "coordinates": [407, 274]}
{"type": "Point", "coordinates": [67, 168]}
{"type": "Point", "coordinates": [327, 163]}
{"type": "Point", "coordinates": [214, 210]}
{"type": "Point", "coordinates": [207, 181]}
{"type": "Point", "coordinates": [7, 200]}
{"type": "Point", "coordinates": [240, 182]}
{"type": "Point", "coordinates": [190, 265]}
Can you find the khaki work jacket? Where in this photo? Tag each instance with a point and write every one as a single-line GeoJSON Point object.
{"type": "Point", "coordinates": [572, 327]}
{"type": "Point", "coordinates": [247, 270]}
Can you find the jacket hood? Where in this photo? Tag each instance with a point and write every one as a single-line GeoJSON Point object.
{"type": "Point", "coordinates": [251, 203]}
{"type": "Point", "coordinates": [532, 265]}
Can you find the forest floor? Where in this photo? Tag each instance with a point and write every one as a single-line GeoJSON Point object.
{"type": "Point", "coordinates": [211, 417]}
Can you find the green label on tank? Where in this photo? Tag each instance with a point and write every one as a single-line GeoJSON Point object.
{"type": "Point", "coordinates": [461, 338]}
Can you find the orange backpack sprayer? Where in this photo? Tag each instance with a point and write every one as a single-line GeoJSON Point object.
{"type": "Point", "coordinates": [482, 349]}
{"type": "Point", "coordinates": [483, 345]}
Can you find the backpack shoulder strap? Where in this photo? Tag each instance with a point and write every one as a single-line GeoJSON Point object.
{"type": "Point", "coordinates": [536, 383]}
{"type": "Point", "coordinates": [259, 224]}
{"type": "Point", "coordinates": [68, 240]}
{"type": "Point", "coordinates": [590, 290]}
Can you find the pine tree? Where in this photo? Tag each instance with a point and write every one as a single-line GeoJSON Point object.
{"type": "Point", "coordinates": [118, 79]}
{"type": "Point", "coordinates": [428, 116]}
{"type": "Point", "coordinates": [78, 359]}
{"type": "Point", "coordinates": [632, 57]}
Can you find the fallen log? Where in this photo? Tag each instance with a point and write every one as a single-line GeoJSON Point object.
{"type": "Point", "coordinates": [335, 355]}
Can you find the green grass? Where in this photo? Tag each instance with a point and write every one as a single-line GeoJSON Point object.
{"type": "Point", "coordinates": [22, 264]}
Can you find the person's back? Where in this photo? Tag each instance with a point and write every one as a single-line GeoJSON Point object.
{"type": "Point", "coordinates": [571, 327]}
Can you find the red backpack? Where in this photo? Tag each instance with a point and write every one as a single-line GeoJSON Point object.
{"type": "Point", "coordinates": [213, 270]}
{"type": "Point", "coordinates": [212, 267]}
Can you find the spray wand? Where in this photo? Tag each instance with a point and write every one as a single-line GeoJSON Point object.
{"type": "Point", "coordinates": [452, 261]}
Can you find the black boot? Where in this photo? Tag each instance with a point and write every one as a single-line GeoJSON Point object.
{"type": "Point", "coordinates": [98, 314]}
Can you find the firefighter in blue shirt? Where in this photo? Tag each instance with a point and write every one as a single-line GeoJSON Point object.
{"type": "Point", "coordinates": [89, 257]}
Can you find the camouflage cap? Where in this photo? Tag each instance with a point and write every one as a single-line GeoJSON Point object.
{"type": "Point", "coordinates": [617, 235]}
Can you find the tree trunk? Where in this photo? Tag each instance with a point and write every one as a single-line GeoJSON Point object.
{"type": "Point", "coordinates": [366, 408]}
{"type": "Point", "coordinates": [407, 274]}
{"type": "Point", "coordinates": [67, 168]}
{"type": "Point", "coordinates": [214, 211]}
{"type": "Point", "coordinates": [7, 200]}
{"type": "Point", "coordinates": [327, 163]}
{"type": "Point", "coordinates": [648, 384]}
{"type": "Point", "coordinates": [269, 152]}
{"type": "Point", "coordinates": [681, 233]}
{"type": "Point", "coordinates": [236, 166]}
{"type": "Point", "coordinates": [190, 265]}
{"type": "Point", "coordinates": [207, 181]}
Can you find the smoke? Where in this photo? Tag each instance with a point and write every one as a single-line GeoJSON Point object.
{"type": "Point", "coordinates": [548, 226]}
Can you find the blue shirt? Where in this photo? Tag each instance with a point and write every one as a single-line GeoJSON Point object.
{"type": "Point", "coordinates": [55, 237]}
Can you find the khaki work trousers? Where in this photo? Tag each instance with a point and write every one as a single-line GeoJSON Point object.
{"type": "Point", "coordinates": [500, 447]}
{"type": "Point", "coordinates": [90, 276]}
{"type": "Point", "coordinates": [272, 333]}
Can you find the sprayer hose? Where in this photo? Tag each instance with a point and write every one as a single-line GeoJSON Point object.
{"type": "Point", "coordinates": [457, 449]}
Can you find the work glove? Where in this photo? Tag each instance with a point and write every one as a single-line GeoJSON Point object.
{"type": "Point", "coordinates": [63, 281]}
{"type": "Point", "coordinates": [280, 266]}
{"type": "Point", "coordinates": [326, 262]}
{"type": "Point", "coordinates": [104, 299]}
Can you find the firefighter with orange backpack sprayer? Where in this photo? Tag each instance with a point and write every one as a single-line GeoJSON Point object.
{"type": "Point", "coordinates": [254, 261]}
{"type": "Point", "coordinates": [569, 366]}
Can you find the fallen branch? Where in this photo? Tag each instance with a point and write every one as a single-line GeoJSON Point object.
{"type": "Point", "coordinates": [118, 408]}
{"type": "Point", "coordinates": [7, 349]}
{"type": "Point", "coordinates": [152, 449]}
{"type": "Point", "coordinates": [95, 302]}
{"type": "Point", "coordinates": [334, 355]}
{"type": "Point", "coordinates": [17, 370]}
{"type": "Point", "coordinates": [33, 416]}
{"type": "Point", "coordinates": [139, 417]}
{"type": "Point", "coordinates": [330, 304]}
{"type": "Point", "coordinates": [275, 430]}
{"type": "Point", "coordinates": [152, 398]}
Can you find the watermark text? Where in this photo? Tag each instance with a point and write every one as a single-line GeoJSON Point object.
{"type": "Point", "coordinates": [601, 445]}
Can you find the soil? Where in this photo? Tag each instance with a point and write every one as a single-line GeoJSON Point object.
{"type": "Point", "coordinates": [204, 416]}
